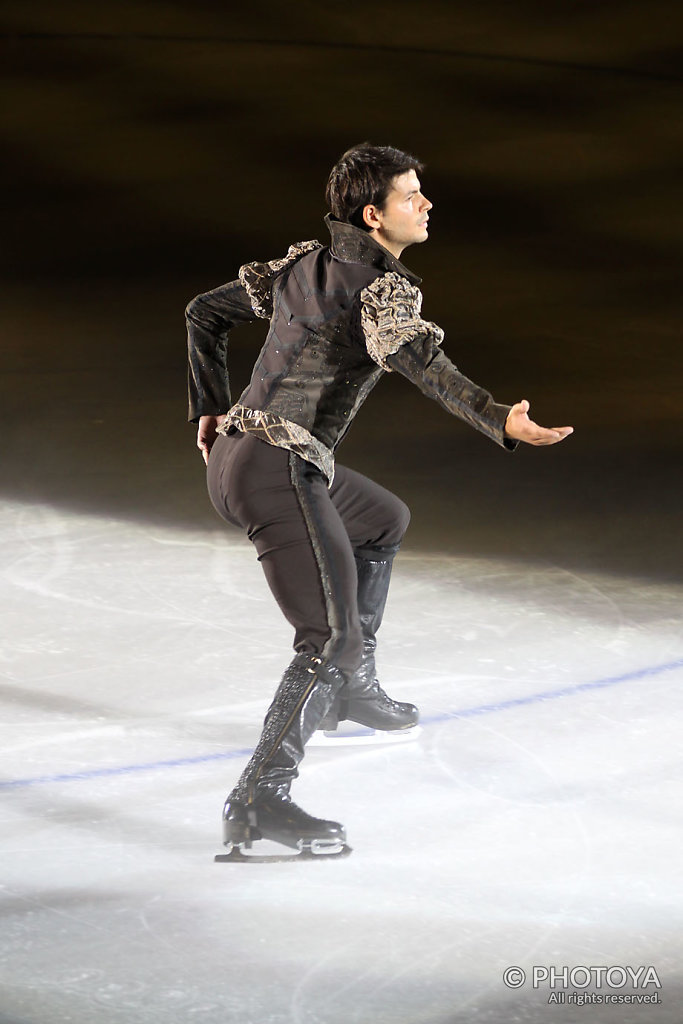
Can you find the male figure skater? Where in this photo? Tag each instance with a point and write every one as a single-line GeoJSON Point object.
{"type": "Point", "coordinates": [340, 316]}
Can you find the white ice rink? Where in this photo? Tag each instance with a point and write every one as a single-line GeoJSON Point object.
{"type": "Point", "coordinates": [535, 822]}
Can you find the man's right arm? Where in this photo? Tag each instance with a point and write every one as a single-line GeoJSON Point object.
{"type": "Point", "coordinates": [209, 318]}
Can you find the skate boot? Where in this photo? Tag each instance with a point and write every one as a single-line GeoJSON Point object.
{"type": "Point", "coordinates": [362, 699]}
{"type": "Point", "coordinates": [259, 806]}
{"type": "Point", "coordinates": [276, 817]}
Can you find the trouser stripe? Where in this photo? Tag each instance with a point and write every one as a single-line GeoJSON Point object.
{"type": "Point", "coordinates": [325, 569]}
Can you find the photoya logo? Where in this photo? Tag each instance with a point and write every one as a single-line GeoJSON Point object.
{"type": "Point", "coordinates": [582, 978]}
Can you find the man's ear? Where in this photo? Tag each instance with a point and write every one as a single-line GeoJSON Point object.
{"type": "Point", "coordinates": [370, 216]}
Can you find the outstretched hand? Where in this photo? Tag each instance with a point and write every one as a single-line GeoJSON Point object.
{"type": "Point", "coordinates": [519, 427]}
{"type": "Point", "coordinates": [206, 433]}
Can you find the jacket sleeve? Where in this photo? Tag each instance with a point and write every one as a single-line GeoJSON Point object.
{"type": "Point", "coordinates": [399, 339]}
{"type": "Point", "coordinates": [209, 318]}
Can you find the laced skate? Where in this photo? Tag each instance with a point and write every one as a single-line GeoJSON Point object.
{"type": "Point", "coordinates": [373, 709]}
{"type": "Point", "coordinates": [278, 819]}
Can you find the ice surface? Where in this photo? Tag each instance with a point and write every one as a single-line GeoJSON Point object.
{"type": "Point", "coordinates": [535, 820]}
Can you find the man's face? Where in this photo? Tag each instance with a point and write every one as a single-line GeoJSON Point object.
{"type": "Point", "coordinates": [403, 221]}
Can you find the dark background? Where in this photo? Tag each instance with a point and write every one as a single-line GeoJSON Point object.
{"type": "Point", "coordinates": [150, 149]}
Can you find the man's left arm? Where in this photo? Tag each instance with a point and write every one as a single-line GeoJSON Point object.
{"type": "Point", "coordinates": [397, 338]}
{"type": "Point", "coordinates": [424, 363]}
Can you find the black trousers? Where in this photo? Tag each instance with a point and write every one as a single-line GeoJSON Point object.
{"type": "Point", "coordinates": [307, 536]}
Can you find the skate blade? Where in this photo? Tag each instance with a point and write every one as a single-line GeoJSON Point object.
{"type": "Point", "coordinates": [314, 851]}
{"type": "Point", "coordinates": [351, 735]}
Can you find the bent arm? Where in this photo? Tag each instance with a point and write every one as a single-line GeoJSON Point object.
{"type": "Point", "coordinates": [209, 318]}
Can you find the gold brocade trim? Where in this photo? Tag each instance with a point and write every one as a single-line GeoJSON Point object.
{"type": "Point", "coordinates": [256, 278]}
{"type": "Point", "coordinates": [390, 317]}
{"type": "Point", "coordinates": [281, 433]}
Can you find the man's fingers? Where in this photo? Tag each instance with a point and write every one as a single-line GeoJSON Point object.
{"type": "Point", "coordinates": [562, 432]}
{"type": "Point", "coordinates": [204, 448]}
{"type": "Point", "coordinates": [206, 434]}
{"type": "Point", "coordinates": [521, 428]}
{"type": "Point", "coordinates": [551, 435]}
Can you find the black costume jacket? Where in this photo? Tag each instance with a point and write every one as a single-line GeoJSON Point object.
{"type": "Point", "coordinates": [340, 316]}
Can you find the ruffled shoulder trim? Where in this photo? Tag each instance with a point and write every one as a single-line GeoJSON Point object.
{"type": "Point", "coordinates": [257, 278]}
{"type": "Point", "coordinates": [390, 317]}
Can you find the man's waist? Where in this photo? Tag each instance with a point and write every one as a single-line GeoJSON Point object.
{"type": "Point", "coordinates": [282, 433]}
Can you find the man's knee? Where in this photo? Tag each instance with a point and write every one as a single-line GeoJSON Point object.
{"type": "Point", "coordinates": [401, 518]}
{"type": "Point", "coordinates": [396, 520]}
{"type": "Point", "coordinates": [387, 542]}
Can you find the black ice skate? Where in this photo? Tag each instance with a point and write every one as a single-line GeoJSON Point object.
{"type": "Point", "coordinates": [375, 710]}
{"type": "Point", "coordinates": [362, 700]}
{"type": "Point", "coordinates": [259, 807]}
{"type": "Point", "coordinates": [277, 818]}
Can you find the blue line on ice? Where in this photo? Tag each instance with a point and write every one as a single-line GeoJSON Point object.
{"type": "Point", "coordinates": [481, 709]}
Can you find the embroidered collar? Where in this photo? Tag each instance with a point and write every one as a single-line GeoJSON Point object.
{"type": "Point", "coordinates": [354, 245]}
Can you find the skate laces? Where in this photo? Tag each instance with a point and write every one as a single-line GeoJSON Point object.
{"type": "Point", "coordinates": [386, 700]}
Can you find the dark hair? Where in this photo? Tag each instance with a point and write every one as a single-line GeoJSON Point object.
{"type": "Point", "coordinates": [364, 174]}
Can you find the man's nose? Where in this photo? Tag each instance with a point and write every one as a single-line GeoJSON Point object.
{"type": "Point", "coordinates": [426, 205]}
